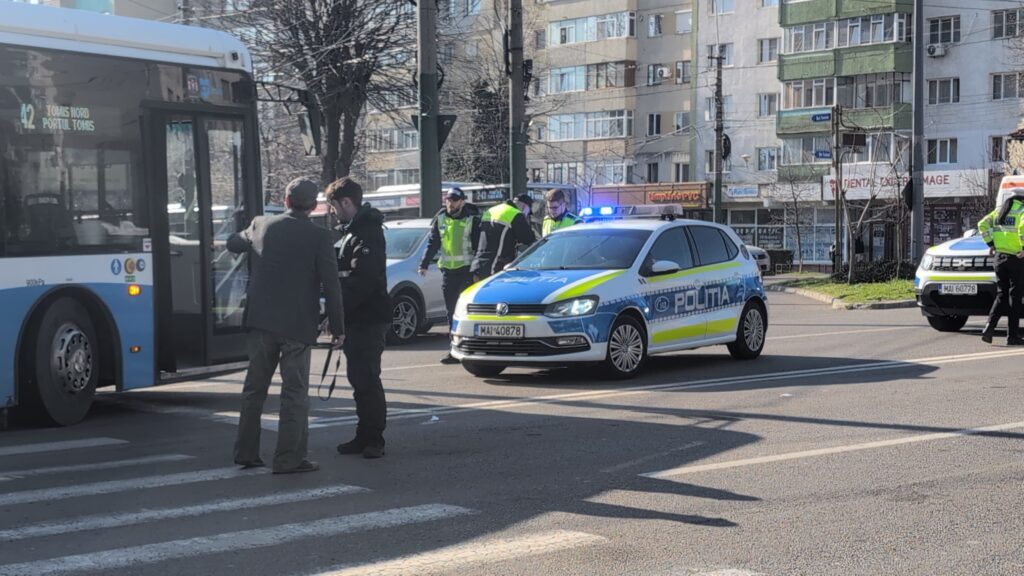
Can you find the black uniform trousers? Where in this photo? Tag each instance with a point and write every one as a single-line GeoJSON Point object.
{"type": "Point", "coordinates": [453, 283]}
{"type": "Point", "coordinates": [364, 345]}
{"type": "Point", "coordinates": [1010, 278]}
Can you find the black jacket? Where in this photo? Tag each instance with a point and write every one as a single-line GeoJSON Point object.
{"type": "Point", "coordinates": [499, 244]}
{"type": "Point", "coordinates": [292, 258]}
{"type": "Point", "coordinates": [434, 244]}
{"type": "Point", "coordinates": [362, 264]}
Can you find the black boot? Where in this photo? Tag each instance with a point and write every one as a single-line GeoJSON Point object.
{"type": "Point", "coordinates": [988, 332]}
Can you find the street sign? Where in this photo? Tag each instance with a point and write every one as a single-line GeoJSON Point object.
{"type": "Point", "coordinates": [823, 154]}
{"type": "Point", "coordinates": [823, 117]}
{"type": "Point", "coordinates": [444, 127]}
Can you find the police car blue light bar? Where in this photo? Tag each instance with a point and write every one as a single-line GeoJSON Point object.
{"type": "Point", "coordinates": [607, 210]}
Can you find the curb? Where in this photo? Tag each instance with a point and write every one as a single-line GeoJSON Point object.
{"type": "Point", "coordinates": [839, 304]}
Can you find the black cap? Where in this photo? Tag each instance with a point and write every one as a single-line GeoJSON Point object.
{"type": "Point", "coordinates": [525, 199]}
{"type": "Point", "coordinates": [302, 193]}
{"type": "Point", "coordinates": [456, 194]}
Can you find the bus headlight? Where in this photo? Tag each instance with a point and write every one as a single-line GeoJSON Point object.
{"type": "Point", "coordinates": [571, 308]}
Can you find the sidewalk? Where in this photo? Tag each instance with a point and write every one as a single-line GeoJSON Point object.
{"type": "Point", "coordinates": [777, 284]}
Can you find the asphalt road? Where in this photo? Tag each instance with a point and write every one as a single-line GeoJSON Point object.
{"type": "Point", "coordinates": [862, 442]}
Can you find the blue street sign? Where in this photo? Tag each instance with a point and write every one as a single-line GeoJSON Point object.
{"type": "Point", "coordinates": [823, 154]}
{"type": "Point", "coordinates": [824, 117]}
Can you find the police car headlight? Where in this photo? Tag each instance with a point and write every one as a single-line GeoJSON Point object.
{"type": "Point", "coordinates": [462, 307]}
{"type": "Point", "coordinates": [574, 307]}
{"type": "Point", "coordinates": [927, 261]}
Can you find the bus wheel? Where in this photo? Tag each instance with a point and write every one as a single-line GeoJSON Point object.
{"type": "Point", "coordinates": [64, 363]}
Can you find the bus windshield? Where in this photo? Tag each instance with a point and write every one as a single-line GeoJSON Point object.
{"type": "Point", "coordinates": [585, 249]}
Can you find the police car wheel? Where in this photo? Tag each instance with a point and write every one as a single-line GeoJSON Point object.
{"type": "Point", "coordinates": [947, 323]}
{"type": "Point", "coordinates": [749, 333]}
{"type": "Point", "coordinates": [406, 320]}
{"type": "Point", "coordinates": [482, 370]}
{"type": "Point", "coordinates": [627, 349]}
{"type": "Point", "coordinates": [63, 366]}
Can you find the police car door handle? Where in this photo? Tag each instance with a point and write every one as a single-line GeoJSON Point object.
{"type": "Point", "coordinates": [177, 253]}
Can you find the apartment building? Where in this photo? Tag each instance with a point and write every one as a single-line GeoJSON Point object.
{"type": "Point", "coordinates": [164, 10]}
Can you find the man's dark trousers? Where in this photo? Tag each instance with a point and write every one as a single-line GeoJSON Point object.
{"type": "Point", "coordinates": [266, 351]}
{"type": "Point", "coordinates": [1010, 277]}
{"type": "Point", "coordinates": [364, 344]}
{"type": "Point", "coordinates": [453, 283]}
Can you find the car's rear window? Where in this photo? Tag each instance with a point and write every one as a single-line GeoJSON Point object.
{"type": "Point", "coordinates": [712, 246]}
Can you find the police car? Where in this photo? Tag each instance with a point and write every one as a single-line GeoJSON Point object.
{"type": "Point", "coordinates": [614, 292]}
{"type": "Point", "coordinates": [956, 280]}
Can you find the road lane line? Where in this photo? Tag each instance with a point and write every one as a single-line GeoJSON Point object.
{"type": "Point", "coordinates": [843, 332]}
{"type": "Point", "coordinates": [159, 459]}
{"type": "Point", "coordinates": [101, 521]}
{"type": "Point", "coordinates": [672, 472]}
{"type": "Point", "coordinates": [691, 385]}
{"type": "Point", "coordinates": [650, 457]}
{"type": "Point", "coordinates": [490, 551]}
{"type": "Point", "coordinates": [233, 541]}
{"type": "Point", "coordinates": [114, 486]}
{"type": "Point", "coordinates": [59, 446]}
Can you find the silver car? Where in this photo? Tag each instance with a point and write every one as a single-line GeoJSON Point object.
{"type": "Point", "coordinates": [417, 302]}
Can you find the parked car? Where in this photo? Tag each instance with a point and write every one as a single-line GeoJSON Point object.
{"type": "Point", "coordinates": [764, 261]}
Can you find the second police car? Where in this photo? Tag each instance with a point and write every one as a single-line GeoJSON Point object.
{"type": "Point", "coordinates": [614, 292]}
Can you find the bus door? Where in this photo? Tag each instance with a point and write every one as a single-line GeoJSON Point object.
{"type": "Point", "coordinates": [203, 172]}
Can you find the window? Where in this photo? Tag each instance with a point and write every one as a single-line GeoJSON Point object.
{"type": "Point", "coordinates": [710, 244]}
{"type": "Point", "coordinates": [767, 159]}
{"type": "Point", "coordinates": [653, 124]}
{"type": "Point", "coordinates": [590, 126]}
{"type": "Point", "coordinates": [592, 28]}
{"type": "Point", "coordinates": [610, 75]}
{"type": "Point", "coordinates": [654, 25]}
{"type": "Point", "coordinates": [564, 172]}
{"type": "Point", "coordinates": [769, 3]}
{"type": "Point", "coordinates": [1005, 23]}
{"type": "Point", "coordinates": [767, 105]}
{"type": "Point", "coordinates": [447, 53]}
{"type": "Point", "coordinates": [944, 30]}
{"type": "Point", "coordinates": [721, 6]}
{"type": "Point", "coordinates": [680, 172]}
{"type": "Point", "coordinates": [810, 38]}
{"type": "Point", "coordinates": [1005, 86]}
{"type": "Point", "coordinates": [608, 173]}
{"type": "Point", "coordinates": [472, 6]}
{"type": "Point", "coordinates": [873, 90]}
{"type": "Point", "coordinates": [815, 93]}
{"type": "Point", "coordinates": [455, 7]}
{"type": "Point", "coordinates": [767, 50]}
{"type": "Point", "coordinates": [652, 172]}
{"type": "Point", "coordinates": [682, 121]}
{"type": "Point", "coordinates": [875, 29]}
{"type": "Point", "coordinates": [671, 246]}
{"type": "Point", "coordinates": [945, 91]}
{"type": "Point", "coordinates": [683, 72]}
{"type": "Point", "coordinates": [684, 22]}
{"type": "Point", "coordinates": [540, 39]}
{"type": "Point", "coordinates": [571, 79]}
{"type": "Point", "coordinates": [724, 50]}
{"type": "Point", "coordinates": [807, 150]}
{"type": "Point", "coordinates": [942, 151]}
{"type": "Point", "coordinates": [542, 132]}
{"type": "Point", "coordinates": [709, 110]}
{"type": "Point", "coordinates": [473, 48]}
{"type": "Point", "coordinates": [709, 159]}
{"type": "Point", "coordinates": [998, 149]}
{"type": "Point", "coordinates": [653, 75]}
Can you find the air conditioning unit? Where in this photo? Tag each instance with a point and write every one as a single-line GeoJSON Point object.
{"type": "Point", "coordinates": [936, 50]}
{"type": "Point", "coordinates": [664, 72]}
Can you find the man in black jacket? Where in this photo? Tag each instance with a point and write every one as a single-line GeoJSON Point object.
{"type": "Point", "coordinates": [503, 228]}
{"type": "Point", "coordinates": [455, 232]}
{"type": "Point", "coordinates": [292, 258]}
{"type": "Point", "coordinates": [362, 264]}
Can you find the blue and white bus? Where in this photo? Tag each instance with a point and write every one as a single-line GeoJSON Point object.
{"type": "Point", "coordinates": [128, 154]}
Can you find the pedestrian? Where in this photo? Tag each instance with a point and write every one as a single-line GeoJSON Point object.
{"type": "Point", "coordinates": [291, 260]}
{"type": "Point", "coordinates": [455, 232]}
{"type": "Point", "coordinates": [558, 215]}
{"type": "Point", "coordinates": [1003, 231]}
{"type": "Point", "coordinates": [503, 228]}
{"type": "Point", "coordinates": [362, 264]}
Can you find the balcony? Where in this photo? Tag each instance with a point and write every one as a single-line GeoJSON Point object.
{"type": "Point", "coordinates": [793, 14]}
{"type": "Point", "coordinates": [807, 66]}
{"type": "Point", "coordinates": [801, 121]}
{"type": "Point", "coordinates": [854, 61]}
{"type": "Point", "coordinates": [851, 8]}
{"type": "Point", "coordinates": [804, 172]}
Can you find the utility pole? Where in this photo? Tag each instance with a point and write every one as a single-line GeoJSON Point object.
{"type": "Point", "coordinates": [185, 12]}
{"type": "Point", "coordinates": [717, 213]}
{"type": "Point", "coordinates": [430, 154]}
{"type": "Point", "coordinates": [917, 162]}
{"type": "Point", "coordinates": [837, 169]}
{"type": "Point", "coordinates": [517, 104]}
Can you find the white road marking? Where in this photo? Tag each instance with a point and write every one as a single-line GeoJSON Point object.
{"type": "Point", "coordinates": [826, 451]}
{"type": "Point", "coordinates": [488, 551]}
{"type": "Point", "coordinates": [690, 385]}
{"type": "Point", "coordinates": [840, 333]}
{"type": "Point", "coordinates": [159, 459]}
{"type": "Point", "coordinates": [58, 446]}
{"type": "Point", "coordinates": [233, 541]}
{"type": "Point", "coordinates": [114, 486]}
{"type": "Point", "coordinates": [730, 572]}
{"type": "Point", "coordinates": [101, 521]}
{"type": "Point", "coordinates": [650, 457]}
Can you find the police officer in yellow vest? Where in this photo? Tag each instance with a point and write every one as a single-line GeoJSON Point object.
{"type": "Point", "coordinates": [455, 232]}
{"type": "Point", "coordinates": [1003, 231]}
{"type": "Point", "coordinates": [502, 229]}
{"type": "Point", "coordinates": [558, 215]}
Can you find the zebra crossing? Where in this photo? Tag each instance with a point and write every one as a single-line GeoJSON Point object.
{"type": "Point", "coordinates": [117, 529]}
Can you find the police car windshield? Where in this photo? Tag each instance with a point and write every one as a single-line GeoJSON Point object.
{"type": "Point", "coordinates": [602, 249]}
{"type": "Point", "coordinates": [402, 242]}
